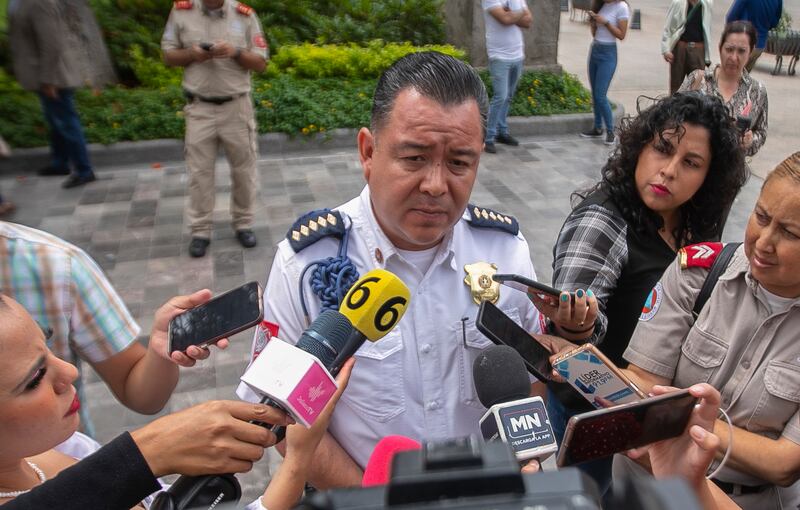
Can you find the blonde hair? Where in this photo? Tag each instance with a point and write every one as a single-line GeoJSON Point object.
{"type": "Point", "coordinates": [789, 167]}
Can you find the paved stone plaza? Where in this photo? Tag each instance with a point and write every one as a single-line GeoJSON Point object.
{"type": "Point", "coordinates": [131, 221]}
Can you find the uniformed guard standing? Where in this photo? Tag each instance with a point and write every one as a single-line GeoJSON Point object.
{"type": "Point", "coordinates": [218, 42]}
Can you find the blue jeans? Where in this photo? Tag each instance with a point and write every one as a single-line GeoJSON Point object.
{"type": "Point", "coordinates": [602, 64]}
{"type": "Point", "coordinates": [67, 143]}
{"type": "Point", "coordinates": [505, 76]}
{"type": "Point", "coordinates": [599, 470]}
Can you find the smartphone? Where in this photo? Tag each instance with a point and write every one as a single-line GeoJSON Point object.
{"type": "Point", "coordinates": [604, 432]}
{"type": "Point", "coordinates": [206, 46]}
{"type": "Point", "coordinates": [526, 285]}
{"type": "Point", "coordinates": [743, 122]}
{"type": "Point", "coordinates": [502, 330]}
{"type": "Point", "coordinates": [223, 316]}
{"type": "Point", "coordinates": [596, 377]}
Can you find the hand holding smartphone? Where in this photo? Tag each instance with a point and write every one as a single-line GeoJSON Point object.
{"type": "Point", "coordinates": [604, 432]}
{"type": "Point", "coordinates": [221, 317]}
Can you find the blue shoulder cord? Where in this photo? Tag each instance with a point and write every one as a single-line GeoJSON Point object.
{"type": "Point", "coordinates": [331, 279]}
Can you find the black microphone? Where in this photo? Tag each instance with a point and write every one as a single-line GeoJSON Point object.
{"type": "Point", "coordinates": [513, 416]}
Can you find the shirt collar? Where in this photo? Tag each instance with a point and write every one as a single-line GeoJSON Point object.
{"type": "Point", "coordinates": [377, 240]}
{"type": "Point", "coordinates": [216, 13]}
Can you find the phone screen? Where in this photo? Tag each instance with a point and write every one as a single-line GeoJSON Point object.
{"type": "Point", "coordinates": [502, 330]}
{"type": "Point", "coordinates": [224, 315]}
{"type": "Point", "coordinates": [605, 432]}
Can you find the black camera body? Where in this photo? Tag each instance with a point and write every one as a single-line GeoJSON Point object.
{"type": "Point", "coordinates": [468, 474]}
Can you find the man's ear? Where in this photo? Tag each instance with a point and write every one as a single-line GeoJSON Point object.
{"type": "Point", "coordinates": [366, 148]}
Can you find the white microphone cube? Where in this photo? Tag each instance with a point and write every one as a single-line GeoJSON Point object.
{"type": "Point", "coordinates": [292, 377]}
{"type": "Point", "coordinates": [523, 425]}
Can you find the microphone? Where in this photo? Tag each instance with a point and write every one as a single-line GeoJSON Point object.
{"type": "Point", "coordinates": [373, 305]}
{"type": "Point", "coordinates": [295, 378]}
{"type": "Point", "coordinates": [369, 310]}
{"type": "Point", "coordinates": [379, 466]}
{"type": "Point", "coordinates": [513, 416]}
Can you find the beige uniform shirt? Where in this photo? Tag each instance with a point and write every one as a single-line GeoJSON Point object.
{"type": "Point", "coordinates": [191, 23]}
{"type": "Point", "coordinates": [751, 355]}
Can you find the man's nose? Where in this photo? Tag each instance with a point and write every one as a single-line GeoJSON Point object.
{"type": "Point", "coordinates": [435, 181]}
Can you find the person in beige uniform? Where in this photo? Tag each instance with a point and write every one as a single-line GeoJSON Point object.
{"type": "Point", "coordinates": [744, 342]}
{"type": "Point", "coordinates": [218, 42]}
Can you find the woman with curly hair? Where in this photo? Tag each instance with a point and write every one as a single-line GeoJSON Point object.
{"type": "Point", "coordinates": [668, 183]}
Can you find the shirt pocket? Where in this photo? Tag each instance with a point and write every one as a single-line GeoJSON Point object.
{"type": "Point", "coordinates": [376, 389]}
{"type": "Point", "coordinates": [702, 353]}
{"type": "Point", "coordinates": [471, 343]}
{"type": "Point", "coordinates": [779, 400]}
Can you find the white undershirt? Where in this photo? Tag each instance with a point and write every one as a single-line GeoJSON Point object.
{"type": "Point", "coordinates": [421, 259]}
{"type": "Point", "coordinates": [776, 303]}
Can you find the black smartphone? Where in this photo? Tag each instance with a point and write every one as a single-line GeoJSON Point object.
{"type": "Point", "coordinates": [743, 122]}
{"type": "Point", "coordinates": [206, 46]}
{"type": "Point", "coordinates": [526, 285]}
{"type": "Point", "coordinates": [604, 432]}
{"type": "Point", "coordinates": [223, 316]}
{"type": "Point", "coordinates": [502, 330]}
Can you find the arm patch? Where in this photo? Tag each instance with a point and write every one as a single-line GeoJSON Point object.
{"type": "Point", "coordinates": [699, 255]}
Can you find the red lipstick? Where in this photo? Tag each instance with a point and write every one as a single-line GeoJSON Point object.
{"type": "Point", "coordinates": [660, 190]}
{"type": "Point", "coordinates": [74, 407]}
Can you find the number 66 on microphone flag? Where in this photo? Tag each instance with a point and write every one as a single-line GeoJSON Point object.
{"type": "Point", "coordinates": [375, 303]}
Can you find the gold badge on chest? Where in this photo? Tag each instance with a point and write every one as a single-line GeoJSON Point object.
{"type": "Point", "coordinates": [480, 283]}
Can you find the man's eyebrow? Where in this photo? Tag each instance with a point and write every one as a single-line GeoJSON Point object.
{"type": "Point", "coordinates": [464, 152]}
{"type": "Point", "coordinates": [412, 146]}
{"type": "Point", "coordinates": [30, 374]}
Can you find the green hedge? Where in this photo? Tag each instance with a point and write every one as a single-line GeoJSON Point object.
{"type": "Point", "coordinates": [346, 61]}
{"type": "Point", "coordinates": [283, 104]}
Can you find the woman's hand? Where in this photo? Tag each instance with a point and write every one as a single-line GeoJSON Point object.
{"type": "Point", "coordinates": [747, 139]}
{"type": "Point", "coordinates": [159, 336]}
{"type": "Point", "coordinates": [600, 19]}
{"type": "Point", "coordinates": [556, 345]}
{"type": "Point", "coordinates": [573, 315]}
{"type": "Point", "coordinates": [688, 455]}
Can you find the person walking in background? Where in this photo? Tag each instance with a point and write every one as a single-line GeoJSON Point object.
{"type": "Point", "coordinates": [763, 14]}
{"type": "Point", "coordinates": [686, 39]}
{"type": "Point", "coordinates": [608, 22]}
{"type": "Point", "coordinates": [505, 20]}
{"type": "Point", "coordinates": [744, 96]}
{"type": "Point", "coordinates": [46, 62]}
{"type": "Point", "coordinates": [218, 42]}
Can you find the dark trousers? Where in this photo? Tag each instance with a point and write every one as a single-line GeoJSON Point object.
{"type": "Point", "coordinates": [686, 58]}
{"type": "Point", "coordinates": [67, 143]}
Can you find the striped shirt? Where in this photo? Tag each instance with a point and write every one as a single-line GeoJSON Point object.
{"type": "Point", "coordinates": [65, 291]}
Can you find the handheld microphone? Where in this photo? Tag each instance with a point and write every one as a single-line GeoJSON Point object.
{"type": "Point", "coordinates": [513, 416]}
{"type": "Point", "coordinates": [378, 470]}
{"type": "Point", "coordinates": [369, 310]}
{"type": "Point", "coordinates": [373, 305]}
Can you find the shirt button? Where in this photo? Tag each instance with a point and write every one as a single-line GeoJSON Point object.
{"type": "Point", "coordinates": [426, 348]}
{"type": "Point", "coordinates": [433, 405]}
{"type": "Point", "coordinates": [745, 364]}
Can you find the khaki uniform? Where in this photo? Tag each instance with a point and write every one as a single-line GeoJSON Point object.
{"type": "Point", "coordinates": [751, 355]}
{"type": "Point", "coordinates": [220, 109]}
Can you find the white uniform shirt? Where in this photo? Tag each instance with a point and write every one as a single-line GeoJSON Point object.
{"type": "Point", "coordinates": [503, 42]}
{"type": "Point", "coordinates": [417, 380]}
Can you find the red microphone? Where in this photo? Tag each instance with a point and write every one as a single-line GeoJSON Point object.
{"type": "Point", "coordinates": [379, 465]}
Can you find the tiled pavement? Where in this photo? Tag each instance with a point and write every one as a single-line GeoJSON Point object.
{"type": "Point", "coordinates": [131, 221]}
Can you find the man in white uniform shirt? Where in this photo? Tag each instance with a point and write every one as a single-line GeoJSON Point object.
{"type": "Point", "coordinates": [420, 158]}
{"type": "Point", "coordinates": [505, 20]}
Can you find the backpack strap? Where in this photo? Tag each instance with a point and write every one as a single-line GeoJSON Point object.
{"type": "Point", "coordinates": [717, 268]}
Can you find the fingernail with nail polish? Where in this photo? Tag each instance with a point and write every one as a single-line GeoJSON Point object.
{"type": "Point", "coordinates": [590, 293]}
{"type": "Point", "coordinates": [579, 293]}
{"type": "Point", "coordinates": [564, 297]}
